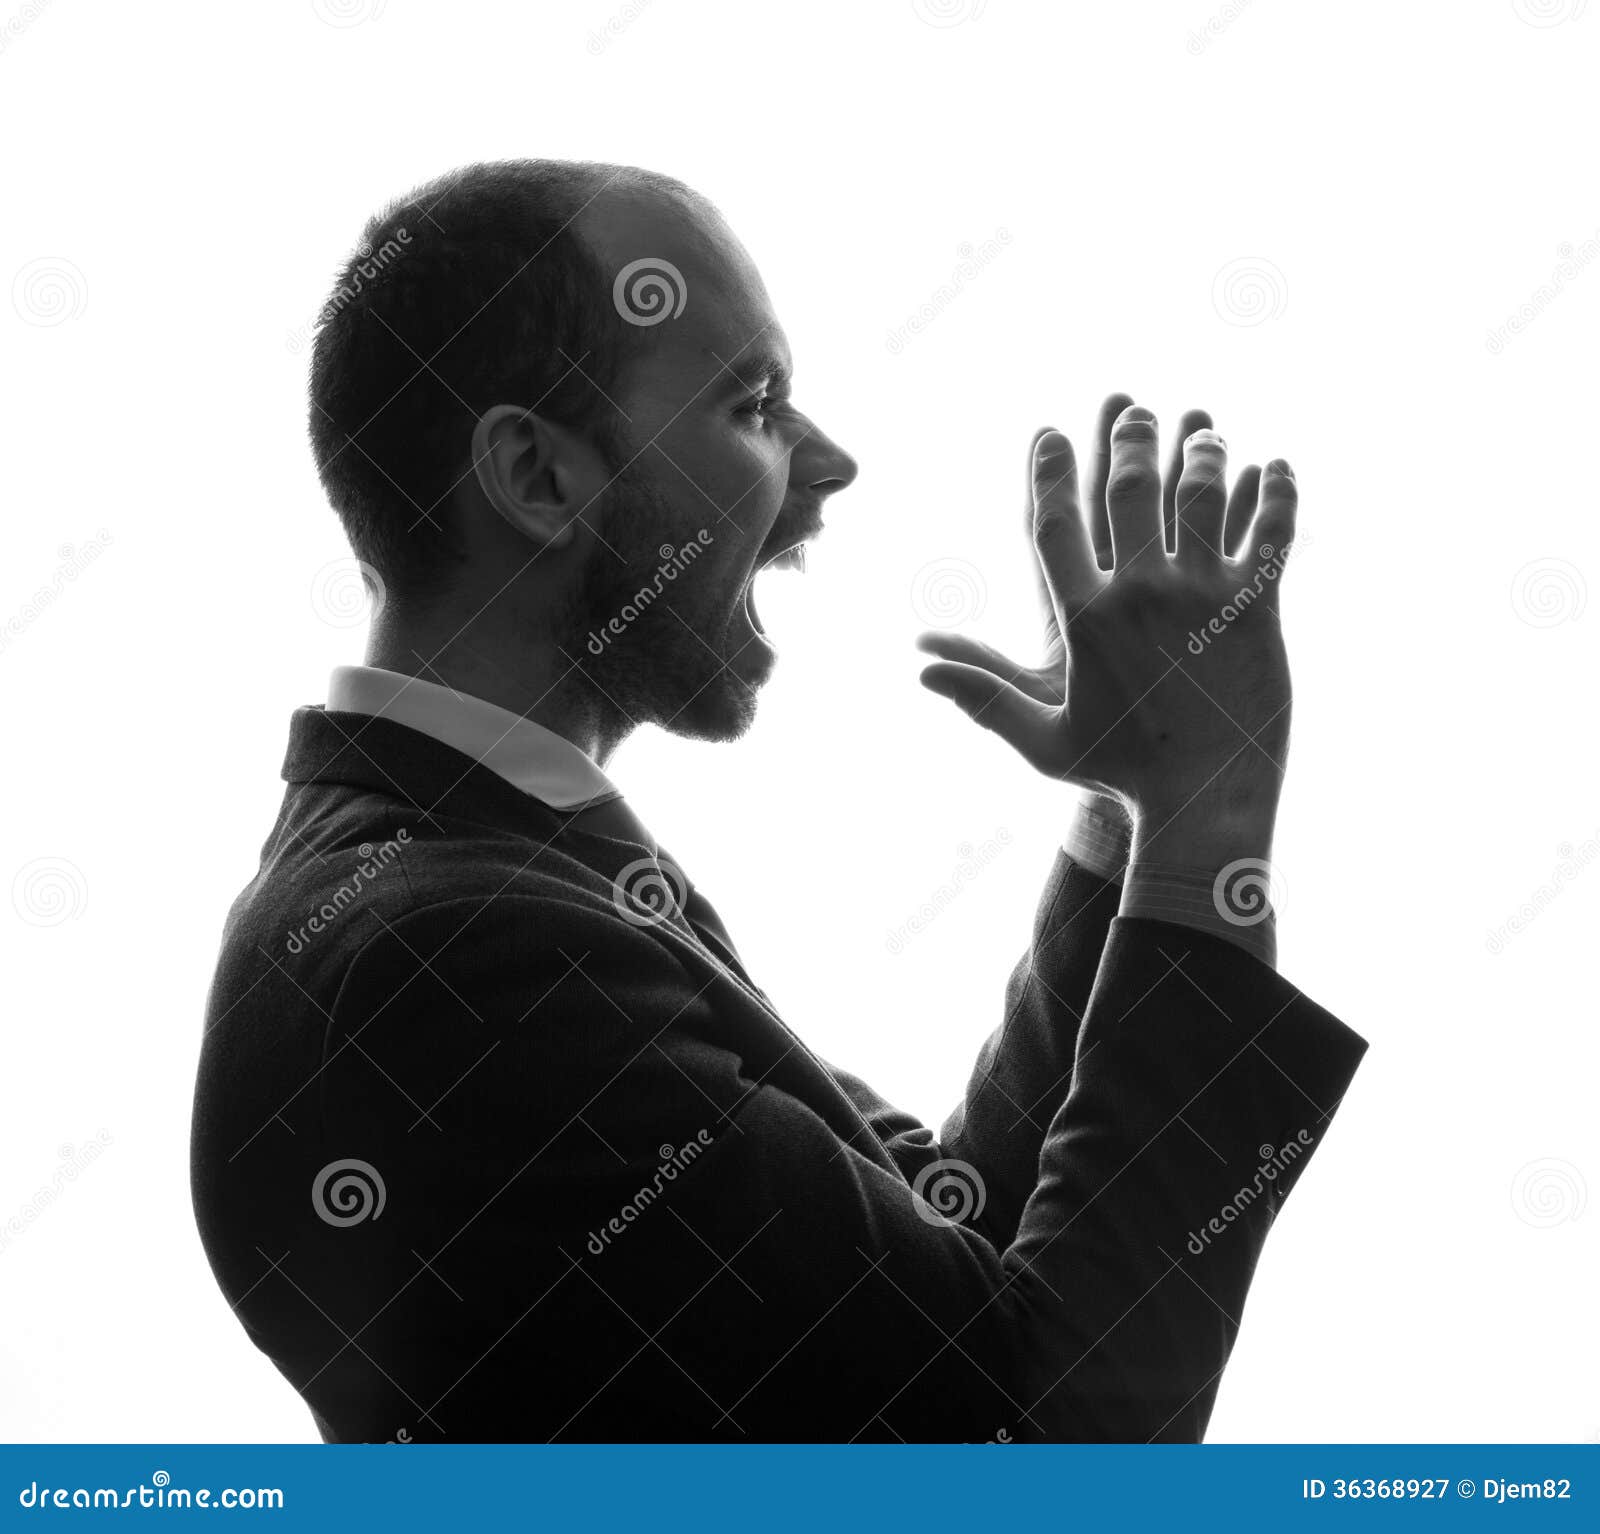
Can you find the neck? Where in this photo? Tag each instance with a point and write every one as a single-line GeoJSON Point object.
{"type": "Point", "coordinates": [532, 680]}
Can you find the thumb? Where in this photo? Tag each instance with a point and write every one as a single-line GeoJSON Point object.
{"type": "Point", "coordinates": [996, 705]}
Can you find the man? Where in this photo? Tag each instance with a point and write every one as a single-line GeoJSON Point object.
{"type": "Point", "coordinates": [494, 1136]}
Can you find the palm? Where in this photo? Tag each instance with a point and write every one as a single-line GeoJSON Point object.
{"type": "Point", "coordinates": [1046, 686]}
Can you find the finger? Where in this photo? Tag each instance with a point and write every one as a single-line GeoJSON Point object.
{"type": "Point", "coordinates": [1099, 473]}
{"type": "Point", "coordinates": [1241, 508]}
{"type": "Point", "coordinates": [1202, 498]}
{"type": "Point", "coordinates": [974, 652]}
{"type": "Point", "coordinates": [1133, 491]}
{"type": "Point", "coordinates": [1192, 421]}
{"type": "Point", "coordinates": [996, 705]}
{"type": "Point", "coordinates": [1273, 529]}
{"type": "Point", "coordinates": [1045, 599]}
{"type": "Point", "coordinates": [1066, 553]}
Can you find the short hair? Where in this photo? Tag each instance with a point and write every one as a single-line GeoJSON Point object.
{"type": "Point", "coordinates": [470, 291]}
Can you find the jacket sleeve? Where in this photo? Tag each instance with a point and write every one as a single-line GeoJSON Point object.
{"type": "Point", "coordinates": [778, 1283]}
{"type": "Point", "coordinates": [1023, 1070]}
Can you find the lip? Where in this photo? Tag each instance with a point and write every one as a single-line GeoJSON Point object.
{"type": "Point", "coordinates": [775, 551]}
{"type": "Point", "coordinates": [791, 558]}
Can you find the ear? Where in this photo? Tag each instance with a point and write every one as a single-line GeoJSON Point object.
{"type": "Point", "coordinates": [534, 473]}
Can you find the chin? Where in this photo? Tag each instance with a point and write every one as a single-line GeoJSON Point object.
{"type": "Point", "coordinates": [721, 711]}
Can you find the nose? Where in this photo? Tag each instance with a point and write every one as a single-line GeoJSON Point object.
{"type": "Point", "coordinates": [823, 466]}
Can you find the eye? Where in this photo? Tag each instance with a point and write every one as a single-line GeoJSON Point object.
{"type": "Point", "coordinates": [761, 406]}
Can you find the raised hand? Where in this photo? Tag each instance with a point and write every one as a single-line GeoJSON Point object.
{"type": "Point", "coordinates": [1044, 682]}
{"type": "Point", "coordinates": [1165, 683]}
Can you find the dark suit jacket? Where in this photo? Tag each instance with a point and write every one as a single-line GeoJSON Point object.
{"type": "Point", "coordinates": [621, 1200]}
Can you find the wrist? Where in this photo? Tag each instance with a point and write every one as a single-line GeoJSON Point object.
{"type": "Point", "coordinates": [1219, 825]}
{"type": "Point", "coordinates": [1098, 836]}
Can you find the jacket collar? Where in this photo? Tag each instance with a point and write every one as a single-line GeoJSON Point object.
{"type": "Point", "coordinates": [366, 751]}
{"type": "Point", "coordinates": [527, 754]}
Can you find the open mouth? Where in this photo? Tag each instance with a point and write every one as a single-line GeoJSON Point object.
{"type": "Point", "coordinates": [791, 558]}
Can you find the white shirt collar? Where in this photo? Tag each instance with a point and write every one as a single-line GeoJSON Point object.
{"type": "Point", "coordinates": [525, 754]}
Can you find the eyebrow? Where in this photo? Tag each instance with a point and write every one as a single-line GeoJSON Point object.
{"type": "Point", "coordinates": [750, 368]}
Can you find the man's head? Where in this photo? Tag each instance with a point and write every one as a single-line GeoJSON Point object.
{"type": "Point", "coordinates": [550, 403]}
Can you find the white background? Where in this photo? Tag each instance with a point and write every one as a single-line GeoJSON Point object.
{"type": "Point", "coordinates": [1309, 220]}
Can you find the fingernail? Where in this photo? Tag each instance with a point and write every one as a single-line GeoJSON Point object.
{"type": "Point", "coordinates": [1205, 436]}
{"type": "Point", "coordinates": [1280, 466]}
